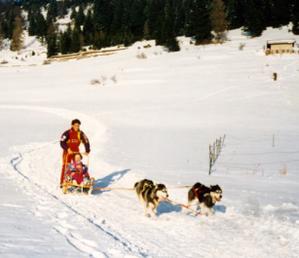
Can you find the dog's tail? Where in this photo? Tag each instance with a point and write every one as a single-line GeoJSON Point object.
{"type": "Point", "coordinates": [136, 184]}
{"type": "Point", "coordinates": [191, 195]}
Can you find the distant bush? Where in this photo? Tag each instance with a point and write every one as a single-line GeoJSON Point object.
{"type": "Point", "coordinates": [113, 78]}
{"type": "Point", "coordinates": [46, 62]}
{"type": "Point", "coordinates": [241, 46]}
{"type": "Point", "coordinates": [95, 82]}
{"type": "Point", "coordinates": [141, 56]}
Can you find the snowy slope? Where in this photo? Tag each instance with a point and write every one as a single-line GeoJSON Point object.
{"type": "Point", "coordinates": [155, 117]}
{"type": "Point", "coordinates": [32, 53]}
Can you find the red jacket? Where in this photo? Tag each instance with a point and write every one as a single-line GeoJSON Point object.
{"type": "Point", "coordinates": [72, 139]}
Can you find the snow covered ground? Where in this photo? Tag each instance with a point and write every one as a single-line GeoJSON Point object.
{"type": "Point", "coordinates": [33, 53]}
{"type": "Point", "coordinates": [154, 117]}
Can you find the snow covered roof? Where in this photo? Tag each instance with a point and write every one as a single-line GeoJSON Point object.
{"type": "Point", "coordinates": [281, 41]}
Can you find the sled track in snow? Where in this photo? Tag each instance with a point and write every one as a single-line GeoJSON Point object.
{"type": "Point", "coordinates": [92, 123]}
{"type": "Point", "coordinates": [125, 243]}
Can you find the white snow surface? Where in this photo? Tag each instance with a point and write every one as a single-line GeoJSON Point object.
{"type": "Point", "coordinates": [154, 117]}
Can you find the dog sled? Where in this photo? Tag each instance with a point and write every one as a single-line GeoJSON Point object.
{"type": "Point", "coordinates": [76, 180]}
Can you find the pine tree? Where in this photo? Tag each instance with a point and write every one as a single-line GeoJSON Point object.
{"type": "Point", "coordinates": [17, 35]}
{"type": "Point", "coordinates": [280, 12]}
{"type": "Point", "coordinates": [253, 18]}
{"type": "Point", "coordinates": [52, 48]}
{"type": "Point", "coordinates": [74, 13]}
{"type": "Point", "coordinates": [187, 5]}
{"type": "Point", "coordinates": [102, 21]}
{"type": "Point", "coordinates": [154, 12]}
{"type": "Point", "coordinates": [235, 11]}
{"type": "Point", "coordinates": [52, 10]}
{"type": "Point", "coordinates": [146, 33]}
{"type": "Point", "coordinates": [137, 19]}
{"type": "Point", "coordinates": [168, 27]}
{"type": "Point", "coordinates": [41, 28]}
{"type": "Point", "coordinates": [62, 8]}
{"type": "Point", "coordinates": [8, 22]}
{"type": "Point", "coordinates": [218, 20]}
{"type": "Point", "coordinates": [126, 35]}
{"type": "Point", "coordinates": [118, 20]}
{"type": "Point", "coordinates": [179, 19]}
{"type": "Point", "coordinates": [80, 16]}
{"type": "Point", "coordinates": [76, 41]}
{"type": "Point", "coordinates": [88, 29]}
{"type": "Point", "coordinates": [295, 17]}
{"type": "Point", "coordinates": [1, 36]}
{"type": "Point", "coordinates": [66, 41]}
{"type": "Point", "coordinates": [32, 25]}
{"type": "Point", "coordinates": [199, 19]}
{"type": "Point", "coordinates": [51, 38]}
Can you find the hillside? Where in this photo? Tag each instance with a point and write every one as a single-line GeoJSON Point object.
{"type": "Point", "coordinates": [152, 114]}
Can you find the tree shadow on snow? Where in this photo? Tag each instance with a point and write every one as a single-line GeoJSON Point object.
{"type": "Point", "coordinates": [108, 180]}
{"type": "Point", "coordinates": [166, 207]}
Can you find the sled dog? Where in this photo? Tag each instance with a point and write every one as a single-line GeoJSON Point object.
{"type": "Point", "coordinates": [150, 195]}
{"type": "Point", "coordinates": [205, 197]}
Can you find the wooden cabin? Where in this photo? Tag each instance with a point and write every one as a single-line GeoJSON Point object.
{"type": "Point", "coordinates": [280, 46]}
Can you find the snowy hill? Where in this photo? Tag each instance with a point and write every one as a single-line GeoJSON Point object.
{"type": "Point", "coordinates": [32, 53]}
{"type": "Point", "coordinates": [153, 114]}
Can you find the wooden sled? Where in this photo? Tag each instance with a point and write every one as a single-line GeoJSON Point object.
{"type": "Point", "coordinates": [70, 187]}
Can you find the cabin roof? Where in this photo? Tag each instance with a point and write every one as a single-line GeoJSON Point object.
{"type": "Point", "coordinates": [281, 41]}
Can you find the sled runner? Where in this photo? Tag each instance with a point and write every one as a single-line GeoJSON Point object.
{"type": "Point", "coordinates": [76, 176]}
{"type": "Point", "coordinates": [70, 187]}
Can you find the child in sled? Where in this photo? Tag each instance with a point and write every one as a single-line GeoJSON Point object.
{"type": "Point", "coordinates": [77, 172]}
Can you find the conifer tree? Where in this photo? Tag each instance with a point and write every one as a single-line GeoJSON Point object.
{"type": "Point", "coordinates": [17, 35]}
{"type": "Point", "coordinates": [235, 13]}
{"type": "Point", "coordinates": [295, 17]}
{"type": "Point", "coordinates": [200, 23]}
{"type": "Point", "coordinates": [179, 17]}
{"type": "Point", "coordinates": [155, 19]}
{"type": "Point", "coordinates": [102, 22]}
{"type": "Point", "coordinates": [52, 10]}
{"type": "Point", "coordinates": [80, 16]}
{"type": "Point", "coordinates": [168, 27]}
{"type": "Point", "coordinates": [253, 18]}
{"type": "Point", "coordinates": [1, 36]}
{"type": "Point", "coordinates": [74, 13]}
{"type": "Point", "coordinates": [66, 41]}
{"type": "Point", "coordinates": [32, 25]}
{"type": "Point", "coordinates": [137, 19]}
{"type": "Point", "coordinates": [280, 12]}
{"type": "Point", "coordinates": [8, 23]}
{"type": "Point", "coordinates": [88, 29]}
{"type": "Point", "coordinates": [76, 41]}
{"type": "Point", "coordinates": [218, 20]}
{"type": "Point", "coordinates": [41, 28]}
{"type": "Point", "coordinates": [52, 44]}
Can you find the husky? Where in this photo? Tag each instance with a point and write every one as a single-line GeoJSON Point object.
{"type": "Point", "coordinates": [205, 197]}
{"type": "Point", "coordinates": [150, 195]}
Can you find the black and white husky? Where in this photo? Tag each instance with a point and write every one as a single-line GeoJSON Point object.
{"type": "Point", "coordinates": [205, 197]}
{"type": "Point", "coordinates": [150, 195]}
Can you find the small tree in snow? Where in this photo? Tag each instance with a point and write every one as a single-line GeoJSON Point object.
{"type": "Point", "coordinates": [17, 35]}
{"type": "Point", "coordinates": [218, 20]}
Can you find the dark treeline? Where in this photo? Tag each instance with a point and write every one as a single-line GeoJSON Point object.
{"type": "Point", "coordinates": [101, 23]}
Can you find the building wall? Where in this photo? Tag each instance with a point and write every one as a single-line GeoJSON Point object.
{"type": "Point", "coordinates": [280, 48]}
